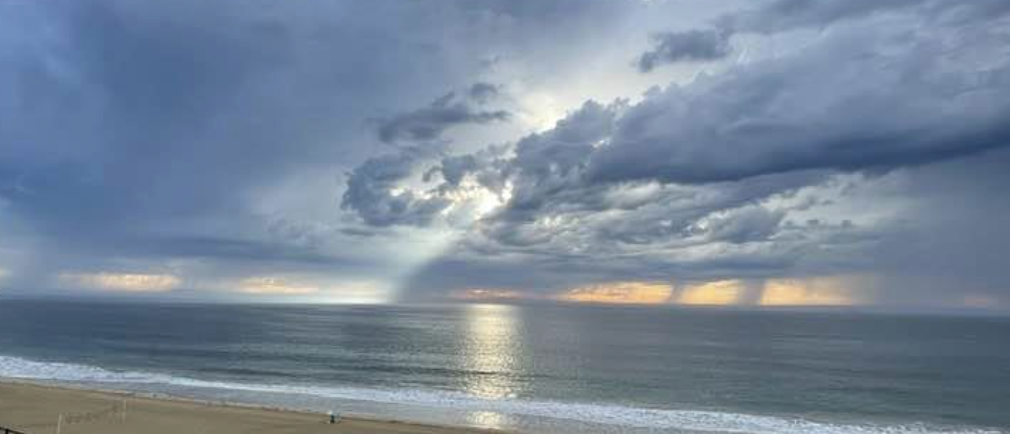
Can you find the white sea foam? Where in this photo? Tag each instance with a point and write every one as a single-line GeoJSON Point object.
{"type": "Point", "coordinates": [706, 421]}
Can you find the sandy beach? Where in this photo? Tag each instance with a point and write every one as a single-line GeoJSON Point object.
{"type": "Point", "coordinates": [35, 409]}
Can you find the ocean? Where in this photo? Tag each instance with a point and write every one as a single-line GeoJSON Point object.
{"type": "Point", "coordinates": [537, 368]}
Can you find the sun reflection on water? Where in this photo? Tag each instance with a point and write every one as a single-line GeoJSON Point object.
{"type": "Point", "coordinates": [490, 352]}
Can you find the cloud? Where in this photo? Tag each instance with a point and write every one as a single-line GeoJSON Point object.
{"type": "Point", "coordinates": [740, 225]}
{"type": "Point", "coordinates": [212, 140]}
{"type": "Point", "coordinates": [948, 244]}
{"type": "Point", "coordinates": [778, 16]}
{"type": "Point", "coordinates": [162, 113]}
{"type": "Point", "coordinates": [671, 47]}
{"type": "Point", "coordinates": [819, 110]}
{"type": "Point", "coordinates": [155, 134]}
{"type": "Point", "coordinates": [380, 190]}
{"type": "Point", "coordinates": [482, 92]}
{"type": "Point", "coordinates": [713, 181]}
{"type": "Point", "coordinates": [813, 111]}
{"type": "Point", "coordinates": [371, 192]}
{"type": "Point", "coordinates": [783, 15]}
{"type": "Point", "coordinates": [428, 123]}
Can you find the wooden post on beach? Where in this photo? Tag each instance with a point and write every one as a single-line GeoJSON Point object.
{"type": "Point", "coordinates": [123, 409]}
{"type": "Point", "coordinates": [59, 424]}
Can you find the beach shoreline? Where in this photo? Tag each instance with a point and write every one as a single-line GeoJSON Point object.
{"type": "Point", "coordinates": [36, 406]}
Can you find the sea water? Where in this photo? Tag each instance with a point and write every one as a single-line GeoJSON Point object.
{"type": "Point", "coordinates": [537, 368]}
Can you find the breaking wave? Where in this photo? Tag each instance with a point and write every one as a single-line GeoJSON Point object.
{"type": "Point", "coordinates": [649, 418]}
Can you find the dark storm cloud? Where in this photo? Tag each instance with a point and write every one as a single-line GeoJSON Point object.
{"type": "Point", "coordinates": [691, 45]}
{"type": "Point", "coordinates": [428, 123]}
{"type": "Point", "coordinates": [550, 163]}
{"type": "Point", "coordinates": [784, 15]}
{"type": "Point", "coordinates": [955, 245]}
{"type": "Point", "coordinates": [539, 13]}
{"type": "Point", "coordinates": [742, 225]}
{"type": "Point", "coordinates": [702, 181]}
{"type": "Point", "coordinates": [136, 135]}
{"type": "Point", "coordinates": [240, 139]}
{"type": "Point", "coordinates": [370, 192]}
{"type": "Point", "coordinates": [600, 222]}
{"type": "Point", "coordinates": [127, 124]}
{"type": "Point", "coordinates": [822, 110]}
{"type": "Point", "coordinates": [372, 186]}
{"type": "Point", "coordinates": [115, 120]}
{"type": "Point", "coordinates": [482, 92]}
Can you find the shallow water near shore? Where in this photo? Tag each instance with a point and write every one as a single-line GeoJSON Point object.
{"type": "Point", "coordinates": [537, 368]}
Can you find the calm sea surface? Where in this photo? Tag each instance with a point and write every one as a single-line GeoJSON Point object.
{"type": "Point", "coordinates": [537, 368]}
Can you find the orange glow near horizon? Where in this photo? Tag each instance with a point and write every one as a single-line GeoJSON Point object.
{"type": "Point", "coordinates": [478, 294]}
{"type": "Point", "coordinates": [125, 282]}
{"type": "Point", "coordinates": [274, 286]}
{"type": "Point", "coordinates": [977, 301]}
{"type": "Point", "coordinates": [810, 292]}
{"type": "Point", "coordinates": [718, 293]}
{"type": "Point", "coordinates": [620, 293]}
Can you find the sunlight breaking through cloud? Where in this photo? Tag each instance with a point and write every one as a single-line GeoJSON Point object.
{"type": "Point", "coordinates": [619, 293]}
{"type": "Point", "coordinates": [274, 286]}
{"type": "Point", "coordinates": [812, 292]}
{"type": "Point", "coordinates": [733, 151]}
{"type": "Point", "coordinates": [808, 291]}
{"type": "Point", "coordinates": [487, 294]}
{"type": "Point", "coordinates": [723, 292]}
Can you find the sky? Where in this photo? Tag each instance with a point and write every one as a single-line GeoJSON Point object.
{"type": "Point", "coordinates": [751, 153]}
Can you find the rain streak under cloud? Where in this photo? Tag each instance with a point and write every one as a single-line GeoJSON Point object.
{"type": "Point", "coordinates": [771, 153]}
